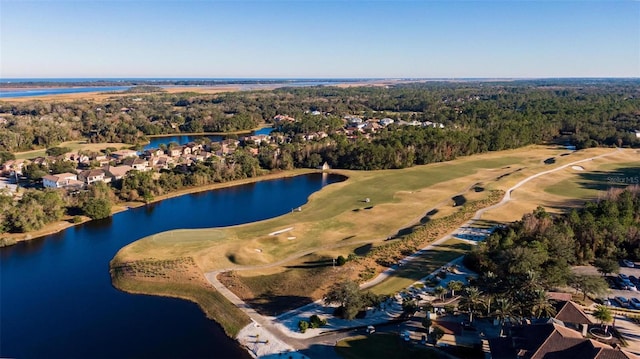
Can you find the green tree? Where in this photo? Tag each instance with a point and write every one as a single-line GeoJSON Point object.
{"type": "Point", "coordinates": [604, 315]}
{"type": "Point", "coordinates": [439, 291]}
{"type": "Point", "coordinates": [590, 284]}
{"type": "Point", "coordinates": [426, 323]}
{"type": "Point", "coordinates": [607, 265]}
{"type": "Point", "coordinates": [57, 151]}
{"type": "Point", "coordinates": [540, 306]}
{"type": "Point", "coordinates": [454, 285]}
{"type": "Point", "coordinates": [351, 300]}
{"type": "Point", "coordinates": [436, 334]}
{"type": "Point", "coordinates": [97, 208]}
{"type": "Point", "coordinates": [471, 301]}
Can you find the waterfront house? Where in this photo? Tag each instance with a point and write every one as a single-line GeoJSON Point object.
{"type": "Point", "coordinates": [122, 154]}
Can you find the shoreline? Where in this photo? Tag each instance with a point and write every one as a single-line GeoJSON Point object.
{"type": "Point", "coordinates": [65, 223]}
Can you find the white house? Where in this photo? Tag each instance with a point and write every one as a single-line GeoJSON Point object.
{"type": "Point", "coordinates": [386, 121]}
{"type": "Point", "coordinates": [59, 180]}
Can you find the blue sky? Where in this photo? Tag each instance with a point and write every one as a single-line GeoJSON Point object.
{"type": "Point", "coordinates": [318, 39]}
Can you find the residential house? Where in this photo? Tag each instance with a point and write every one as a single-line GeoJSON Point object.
{"type": "Point", "coordinates": [153, 152]}
{"type": "Point", "coordinates": [137, 164]}
{"type": "Point", "coordinates": [386, 121]}
{"type": "Point", "coordinates": [174, 152]}
{"type": "Point", "coordinates": [283, 118]}
{"type": "Point", "coordinates": [122, 154]}
{"type": "Point", "coordinates": [227, 146]}
{"type": "Point", "coordinates": [95, 175]}
{"type": "Point", "coordinates": [59, 180]}
{"type": "Point", "coordinates": [15, 167]}
{"type": "Point", "coordinates": [116, 172]}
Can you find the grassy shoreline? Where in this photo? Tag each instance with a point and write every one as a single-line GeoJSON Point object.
{"type": "Point", "coordinates": [66, 223]}
{"type": "Point", "coordinates": [178, 279]}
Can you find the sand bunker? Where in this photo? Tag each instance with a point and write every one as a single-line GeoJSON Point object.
{"type": "Point", "coordinates": [280, 231]}
{"type": "Point", "coordinates": [578, 168]}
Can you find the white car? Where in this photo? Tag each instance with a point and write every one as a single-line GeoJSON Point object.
{"type": "Point", "coordinates": [628, 263]}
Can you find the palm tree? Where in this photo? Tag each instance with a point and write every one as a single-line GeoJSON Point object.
{"type": "Point", "coordinates": [505, 309]}
{"type": "Point", "coordinates": [540, 307]}
{"type": "Point", "coordinates": [472, 301]}
{"type": "Point", "coordinates": [604, 315]}
{"type": "Point", "coordinates": [453, 286]}
{"type": "Point", "coordinates": [439, 291]}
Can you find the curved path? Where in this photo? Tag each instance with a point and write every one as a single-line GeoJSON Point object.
{"type": "Point", "coordinates": [267, 323]}
{"type": "Point", "coordinates": [507, 197]}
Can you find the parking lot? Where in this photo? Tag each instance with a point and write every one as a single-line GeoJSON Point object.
{"type": "Point", "coordinates": [613, 292]}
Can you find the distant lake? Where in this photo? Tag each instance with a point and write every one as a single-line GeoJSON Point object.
{"type": "Point", "coordinates": [11, 93]}
{"type": "Point", "coordinates": [57, 300]}
{"type": "Point", "coordinates": [155, 142]}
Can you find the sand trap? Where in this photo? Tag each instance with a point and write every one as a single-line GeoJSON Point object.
{"type": "Point", "coordinates": [258, 250]}
{"type": "Point", "coordinates": [578, 168]}
{"type": "Point", "coordinates": [290, 238]}
{"type": "Point", "coordinates": [280, 231]}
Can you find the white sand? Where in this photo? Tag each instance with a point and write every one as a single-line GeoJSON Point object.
{"type": "Point", "coordinates": [280, 231]}
{"type": "Point", "coordinates": [260, 342]}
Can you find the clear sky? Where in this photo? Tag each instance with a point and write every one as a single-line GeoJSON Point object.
{"type": "Point", "coordinates": [319, 39]}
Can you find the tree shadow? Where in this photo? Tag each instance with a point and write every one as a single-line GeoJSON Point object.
{"type": "Point", "coordinates": [459, 200]}
{"type": "Point", "coordinates": [362, 250]}
{"type": "Point", "coordinates": [313, 264]}
{"type": "Point", "coordinates": [271, 304]}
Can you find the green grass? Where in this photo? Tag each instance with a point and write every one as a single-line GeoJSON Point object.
{"type": "Point", "coordinates": [590, 183]}
{"type": "Point", "coordinates": [422, 266]}
{"type": "Point", "coordinates": [332, 214]}
{"type": "Point", "coordinates": [381, 346]}
{"type": "Point", "coordinates": [214, 304]}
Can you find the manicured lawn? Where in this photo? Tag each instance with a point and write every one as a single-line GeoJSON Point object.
{"type": "Point", "coordinates": [336, 214]}
{"type": "Point", "coordinates": [588, 184]}
{"type": "Point", "coordinates": [383, 346]}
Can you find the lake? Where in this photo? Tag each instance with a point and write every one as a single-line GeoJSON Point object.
{"type": "Point", "coordinates": [56, 296]}
{"type": "Point", "coordinates": [155, 142]}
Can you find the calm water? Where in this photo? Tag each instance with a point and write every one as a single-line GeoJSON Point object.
{"type": "Point", "coordinates": [155, 142]}
{"type": "Point", "coordinates": [10, 93]}
{"type": "Point", "coordinates": [56, 297]}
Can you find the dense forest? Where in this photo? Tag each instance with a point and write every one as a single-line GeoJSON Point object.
{"type": "Point", "coordinates": [520, 262]}
{"type": "Point", "coordinates": [547, 245]}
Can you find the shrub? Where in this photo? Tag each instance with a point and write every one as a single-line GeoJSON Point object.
{"type": "Point", "coordinates": [77, 219]}
{"type": "Point", "coordinates": [316, 321]}
{"type": "Point", "coordinates": [303, 325]}
{"type": "Point", "coordinates": [341, 261]}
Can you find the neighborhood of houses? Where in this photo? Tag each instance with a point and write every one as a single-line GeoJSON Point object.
{"type": "Point", "coordinates": [113, 166]}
